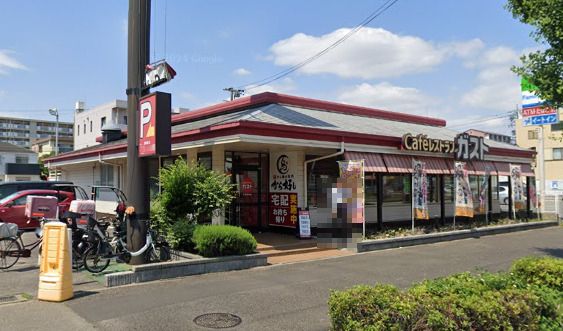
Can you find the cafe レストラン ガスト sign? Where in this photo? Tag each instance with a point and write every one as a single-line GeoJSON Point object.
{"type": "Point", "coordinates": [422, 143]}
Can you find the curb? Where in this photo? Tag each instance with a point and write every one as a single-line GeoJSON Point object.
{"type": "Point", "coordinates": [174, 269]}
{"type": "Point", "coordinates": [379, 244]}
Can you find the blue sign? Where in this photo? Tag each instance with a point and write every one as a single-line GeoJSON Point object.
{"type": "Point", "coordinates": [540, 120]}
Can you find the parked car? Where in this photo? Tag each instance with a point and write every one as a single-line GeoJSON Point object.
{"type": "Point", "coordinates": [12, 207]}
{"type": "Point", "coordinates": [13, 187]}
{"type": "Point", "coordinates": [503, 195]}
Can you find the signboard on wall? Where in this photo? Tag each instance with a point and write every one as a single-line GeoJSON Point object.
{"type": "Point", "coordinates": [283, 171]}
{"type": "Point", "coordinates": [283, 209]}
{"type": "Point", "coordinates": [154, 124]}
{"type": "Point", "coordinates": [304, 224]}
{"type": "Point", "coordinates": [534, 110]}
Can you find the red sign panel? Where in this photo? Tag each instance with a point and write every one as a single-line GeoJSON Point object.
{"type": "Point", "coordinates": [154, 124]}
{"type": "Point", "coordinates": [536, 111]}
{"type": "Point", "coordinates": [283, 209]}
{"type": "Point", "coordinates": [247, 186]}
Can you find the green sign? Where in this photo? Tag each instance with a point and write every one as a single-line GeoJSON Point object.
{"type": "Point", "coordinates": [526, 86]}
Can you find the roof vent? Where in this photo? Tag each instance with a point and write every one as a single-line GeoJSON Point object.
{"type": "Point", "coordinates": [110, 132]}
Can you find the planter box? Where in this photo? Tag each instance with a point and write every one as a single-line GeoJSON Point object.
{"type": "Point", "coordinates": [379, 244]}
{"type": "Point", "coordinates": [173, 269]}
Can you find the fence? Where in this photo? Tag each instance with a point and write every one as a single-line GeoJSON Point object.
{"type": "Point", "coordinates": [552, 206]}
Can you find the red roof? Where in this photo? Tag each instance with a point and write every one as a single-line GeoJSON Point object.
{"type": "Point", "coordinates": [269, 97]}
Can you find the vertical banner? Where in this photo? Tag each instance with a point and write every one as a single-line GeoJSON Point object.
{"type": "Point", "coordinates": [352, 180]}
{"type": "Point", "coordinates": [483, 196]}
{"type": "Point", "coordinates": [420, 190]}
{"type": "Point", "coordinates": [517, 187]}
{"type": "Point", "coordinates": [463, 197]}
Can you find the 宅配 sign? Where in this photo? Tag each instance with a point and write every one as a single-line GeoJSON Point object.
{"type": "Point", "coordinates": [283, 209]}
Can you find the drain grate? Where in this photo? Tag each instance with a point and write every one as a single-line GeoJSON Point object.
{"type": "Point", "coordinates": [218, 320]}
{"type": "Point", "coordinates": [14, 298]}
{"type": "Point", "coordinates": [8, 299]}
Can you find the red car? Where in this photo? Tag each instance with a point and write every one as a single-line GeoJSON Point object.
{"type": "Point", "coordinates": [12, 207]}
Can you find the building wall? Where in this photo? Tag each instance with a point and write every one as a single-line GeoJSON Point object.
{"type": "Point", "coordinates": [88, 123]}
{"type": "Point", "coordinates": [553, 138]}
{"type": "Point", "coordinates": [6, 157]}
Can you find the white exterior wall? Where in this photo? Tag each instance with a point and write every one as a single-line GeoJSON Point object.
{"type": "Point", "coordinates": [113, 112]}
{"type": "Point", "coordinates": [10, 157]}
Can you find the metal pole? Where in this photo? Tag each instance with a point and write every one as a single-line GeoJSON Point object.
{"type": "Point", "coordinates": [57, 135]}
{"type": "Point", "coordinates": [412, 202]}
{"type": "Point", "coordinates": [137, 168]}
{"type": "Point", "coordinates": [455, 194]}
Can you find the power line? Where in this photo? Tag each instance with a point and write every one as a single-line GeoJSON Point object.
{"type": "Point", "coordinates": [485, 119]}
{"type": "Point", "coordinates": [288, 71]}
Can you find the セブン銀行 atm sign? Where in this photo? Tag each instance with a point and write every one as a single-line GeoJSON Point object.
{"type": "Point", "coordinates": [154, 124]}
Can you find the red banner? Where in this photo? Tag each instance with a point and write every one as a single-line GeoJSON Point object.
{"type": "Point", "coordinates": [536, 111]}
{"type": "Point", "coordinates": [283, 209]}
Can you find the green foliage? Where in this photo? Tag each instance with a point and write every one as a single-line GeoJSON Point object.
{"type": "Point", "coordinates": [540, 271]}
{"type": "Point", "coordinates": [221, 240]}
{"type": "Point", "coordinates": [529, 297]}
{"type": "Point", "coordinates": [543, 68]}
{"type": "Point", "coordinates": [190, 191]}
{"type": "Point", "coordinates": [180, 235]}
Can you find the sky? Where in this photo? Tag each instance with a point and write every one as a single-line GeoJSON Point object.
{"type": "Point", "coordinates": [449, 59]}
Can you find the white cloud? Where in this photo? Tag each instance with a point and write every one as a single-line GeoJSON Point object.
{"type": "Point", "coordinates": [8, 62]}
{"type": "Point", "coordinates": [369, 53]}
{"type": "Point", "coordinates": [241, 72]}
{"type": "Point", "coordinates": [497, 86]}
{"type": "Point", "coordinates": [390, 97]}
{"type": "Point", "coordinates": [286, 85]}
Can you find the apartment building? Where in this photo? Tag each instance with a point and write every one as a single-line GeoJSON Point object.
{"type": "Point", "coordinates": [528, 137]}
{"type": "Point", "coordinates": [22, 132]}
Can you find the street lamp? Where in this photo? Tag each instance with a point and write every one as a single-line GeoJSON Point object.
{"type": "Point", "coordinates": [55, 112]}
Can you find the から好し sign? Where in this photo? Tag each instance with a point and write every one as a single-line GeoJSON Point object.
{"type": "Point", "coordinates": [424, 144]}
{"type": "Point", "coordinates": [154, 124]}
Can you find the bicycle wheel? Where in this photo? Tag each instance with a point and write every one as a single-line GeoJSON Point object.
{"type": "Point", "coordinates": [10, 250]}
{"type": "Point", "coordinates": [158, 254]}
{"type": "Point", "coordinates": [94, 262]}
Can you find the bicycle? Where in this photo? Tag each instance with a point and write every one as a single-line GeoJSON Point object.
{"type": "Point", "coordinates": [12, 246]}
{"type": "Point", "coordinates": [97, 258]}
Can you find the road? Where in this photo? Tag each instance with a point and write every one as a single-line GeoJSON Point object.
{"type": "Point", "coordinates": [282, 297]}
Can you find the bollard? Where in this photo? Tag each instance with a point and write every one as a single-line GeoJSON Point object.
{"type": "Point", "coordinates": [55, 278]}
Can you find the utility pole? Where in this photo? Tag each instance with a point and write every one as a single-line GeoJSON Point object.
{"type": "Point", "coordinates": [235, 93]}
{"type": "Point", "coordinates": [138, 41]}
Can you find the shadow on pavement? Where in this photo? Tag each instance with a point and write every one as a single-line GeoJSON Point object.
{"type": "Point", "coordinates": [556, 252]}
{"type": "Point", "coordinates": [82, 294]}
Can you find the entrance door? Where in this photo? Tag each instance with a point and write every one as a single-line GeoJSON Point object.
{"type": "Point", "coordinates": [248, 202]}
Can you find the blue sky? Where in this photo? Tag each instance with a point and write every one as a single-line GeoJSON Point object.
{"type": "Point", "coordinates": [441, 58]}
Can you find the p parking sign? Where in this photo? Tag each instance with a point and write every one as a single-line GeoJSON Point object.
{"type": "Point", "coordinates": [154, 124]}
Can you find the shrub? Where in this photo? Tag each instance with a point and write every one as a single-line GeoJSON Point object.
{"type": "Point", "coordinates": [221, 240]}
{"type": "Point", "coordinates": [527, 298]}
{"type": "Point", "coordinates": [540, 271]}
{"type": "Point", "coordinates": [180, 235]}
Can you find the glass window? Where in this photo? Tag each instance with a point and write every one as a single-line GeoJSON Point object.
{"type": "Point", "coordinates": [397, 188]}
{"type": "Point", "coordinates": [102, 122]}
{"type": "Point", "coordinates": [84, 128]}
{"type": "Point", "coordinates": [371, 189]}
{"type": "Point", "coordinates": [474, 185]}
{"type": "Point", "coordinates": [532, 134]}
{"type": "Point", "coordinates": [433, 188]}
{"type": "Point", "coordinates": [449, 188]}
{"type": "Point", "coordinates": [557, 127]}
{"type": "Point", "coordinates": [106, 175]}
{"type": "Point", "coordinates": [494, 187]}
{"type": "Point", "coordinates": [558, 153]}
{"type": "Point", "coordinates": [91, 126]}
{"type": "Point", "coordinates": [22, 159]}
{"type": "Point", "coordinates": [205, 160]}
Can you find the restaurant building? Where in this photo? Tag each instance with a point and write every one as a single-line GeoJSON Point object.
{"type": "Point", "coordinates": [281, 152]}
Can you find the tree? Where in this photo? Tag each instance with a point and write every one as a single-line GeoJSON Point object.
{"type": "Point", "coordinates": [44, 170]}
{"type": "Point", "coordinates": [543, 68]}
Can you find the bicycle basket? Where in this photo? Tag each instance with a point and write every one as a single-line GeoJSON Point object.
{"type": "Point", "coordinates": [8, 230]}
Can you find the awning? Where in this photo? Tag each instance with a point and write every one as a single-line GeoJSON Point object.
{"type": "Point", "coordinates": [503, 168]}
{"type": "Point", "coordinates": [372, 162]}
{"type": "Point", "coordinates": [526, 170]}
{"type": "Point", "coordinates": [480, 168]}
{"type": "Point", "coordinates": [403, 164]}
{"type": "Point", "coordinates": [398, 163]}
{"type": "Point", "coordinates": [436, 165]}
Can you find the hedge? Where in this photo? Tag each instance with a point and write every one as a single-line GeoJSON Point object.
{"type": "Point", "coordinates": [529, 297]}
{"type": "Point", "coordinates": [221, 240]}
